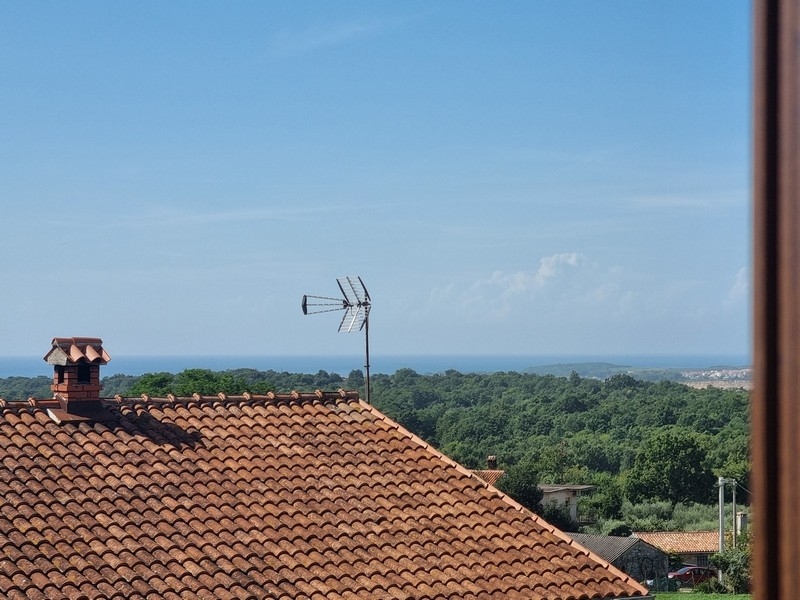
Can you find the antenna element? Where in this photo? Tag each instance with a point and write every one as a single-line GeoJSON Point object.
{"type": "Point", "coordinates": [356, 305]}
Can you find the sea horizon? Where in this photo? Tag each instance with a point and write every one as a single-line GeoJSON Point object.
{"type": "Point", "coordinates": [33, 366]}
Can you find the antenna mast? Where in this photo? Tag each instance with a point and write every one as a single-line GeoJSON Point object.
{"type": "Point", "coordinates": [355, 304]}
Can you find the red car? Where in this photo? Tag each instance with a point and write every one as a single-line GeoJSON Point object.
{"type": "Point", "coordinates": [691, 576]}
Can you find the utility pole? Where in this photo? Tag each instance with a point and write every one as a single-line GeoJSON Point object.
{"type": "Point", "coordinates": [721, 483]}
{"type": "Point", "coordinates": [733, 514]}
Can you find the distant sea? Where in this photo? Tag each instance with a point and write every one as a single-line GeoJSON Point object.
{"type": "Point", "coordinates": [31, 366]}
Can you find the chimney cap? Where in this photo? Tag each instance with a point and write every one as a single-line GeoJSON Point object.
{"type": "Point", "coordinates": [72, 350]}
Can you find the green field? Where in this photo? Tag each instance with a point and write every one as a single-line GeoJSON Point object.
{"type": "Point", "coordinates": [698, 596]}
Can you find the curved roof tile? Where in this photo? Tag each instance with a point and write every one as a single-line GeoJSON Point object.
{"type": "Point", "coordinates": [281, 495]}
{"type": "Point", "coordinates": [71, 350]}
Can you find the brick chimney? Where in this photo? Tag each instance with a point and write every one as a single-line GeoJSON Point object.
{"type": "Point", "coordinates": [76, 372]}
{"type": "Point", "coordinates": [491, 462]}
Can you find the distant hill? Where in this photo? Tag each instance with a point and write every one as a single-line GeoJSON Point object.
{"type": "Point", "coordinates": [595, 370]}
{"type": "Point", "coordinates": [722, 376]}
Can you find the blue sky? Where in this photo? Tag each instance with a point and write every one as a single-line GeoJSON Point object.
{"type": "Point", "coordinates": [529, 177]}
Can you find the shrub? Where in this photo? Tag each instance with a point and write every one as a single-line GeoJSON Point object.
{"type": "Point", "coordinates": [712, 586]}
{"type": "Point", "coordinates": [735, 565]}
{"type": "Point", "coordinates": [558, 516]}
{"type": "Point", "coordinates": [521, 482]}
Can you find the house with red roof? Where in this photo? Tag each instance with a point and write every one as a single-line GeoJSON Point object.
{"type": "Point", "coordinates": [491, 474]}
{"type": "Point", "coordinates": [293, 496]}
{"type": "Point", "coordinates": [693, 547]}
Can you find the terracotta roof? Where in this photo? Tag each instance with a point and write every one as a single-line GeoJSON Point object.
{"type": "Point", "coordinates": [490, 476]}
{"type": "Point", "coordinates": [315, 496]}
{"type": "Point", "coordinates": [679, 542]}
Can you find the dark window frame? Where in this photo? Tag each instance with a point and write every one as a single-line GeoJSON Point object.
{"type": "Point", "coordinates": [776, 306]}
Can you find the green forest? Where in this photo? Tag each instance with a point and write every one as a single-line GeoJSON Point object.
{"type": "Point", "coordinates": [653, 449]}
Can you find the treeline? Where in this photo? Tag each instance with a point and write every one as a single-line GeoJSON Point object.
{"type": "Point", "coordinates": [22, 388]}
{"type": "Point", "coordinates": [639, 442]}
{"type": "Point", "coordinates": [188, 382]}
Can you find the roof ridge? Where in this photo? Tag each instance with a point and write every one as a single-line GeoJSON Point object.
{"type": "Point", "coordinates": [694, 531]}
{"type": "Point", "coordinates": [293, 396]}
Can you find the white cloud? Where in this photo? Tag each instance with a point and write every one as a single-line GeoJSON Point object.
{"type": "Point", "coordinates": [502, 292]}
{"type": "Point", "coordinates": [740, 290]}
{"type": "Point", "coordinates": [525, 282]}
{"type": "Point", "coordinates": [552, 266]}
{"type": "Point", "coordinates": [689, 202]}
{"type": "Point", "coordinates": [570, 301]}
{"type": "Point", "coordinates": [173, 217]}
{"type": "Point", "coordinates": [295, 43]}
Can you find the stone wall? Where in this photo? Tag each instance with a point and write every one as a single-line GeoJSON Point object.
{"type": "Point", "coordinates": [643, 562]}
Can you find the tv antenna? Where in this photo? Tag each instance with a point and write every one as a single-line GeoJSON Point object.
{"type": "Point", "coordinates": [355, 304]}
